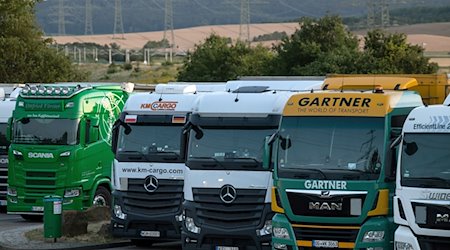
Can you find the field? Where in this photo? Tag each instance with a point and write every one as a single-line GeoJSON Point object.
{"type": "Point", "coordinates": [434, 37]}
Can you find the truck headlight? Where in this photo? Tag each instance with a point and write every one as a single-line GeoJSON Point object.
{"type": "Point", "coordinates": [266, 229]}
{"type": "Point", "coordinates": [403, 246]}
{"type": "Point", "coordinates": [71, 192]}
{"type": "Point", "coordinates": [12, 191]}
{"type": "Point", "coordinates": [372, 236]}
{"type": "Point", "coordinates": [118, 212]}
{"type": "Point", "coordinates": [281, 233]}
{"type": "Point", "coordinates": [190, 225]}
{"type": "Point", "coordinates": [279, 246]}
{"type": "Point", "coordinates": [65, 154]}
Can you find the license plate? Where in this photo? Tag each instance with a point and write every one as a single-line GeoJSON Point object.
{"type": "Point", "coordinates": [3, 203]}
{"type": "Point", "coordinates": [37, 209]}
{"type": "Point", "coordinates": [226, 248]}
{"type": "Point", "coordinates": [325, 243]}
{"type": "Point", "coordinates": [150, 234]}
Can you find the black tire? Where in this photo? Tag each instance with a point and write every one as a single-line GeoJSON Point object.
{"type": "Point", "coordinates": [102, 197]}
{"type": "Point", "coordinates": [142, 243]}
{"type": "Point", "coordinates": [32, 217]}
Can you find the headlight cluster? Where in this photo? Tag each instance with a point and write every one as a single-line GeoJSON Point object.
{"type": "Point", "coordinates": [281, 233]}
{"type": "Point", "coordinates": [373, 236]}
{"type": "Point", "coordinates": [119, 213]}
{"type": "Point", "coordinates": [190, 225]}
{"type": "Point", "coordinates": [403, 246]}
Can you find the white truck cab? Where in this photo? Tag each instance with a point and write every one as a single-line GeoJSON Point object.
{"type": "Point", "coordinates": [148, 168]}
{"type": "Point", "coordinates": [226, 190]}
{"type": "Point", "coordinates": [422, 196]}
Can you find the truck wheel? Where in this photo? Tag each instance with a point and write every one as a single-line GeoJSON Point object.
{"type": "Point", "coordinates": [102, 197]}
{"type": "Point", "coordinates": [142, 243]}
{"type": "Point", "coordinates": [32, 218]}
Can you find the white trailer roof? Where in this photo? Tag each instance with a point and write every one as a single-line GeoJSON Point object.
{"type": "Point", "coordinates": [226, 104]}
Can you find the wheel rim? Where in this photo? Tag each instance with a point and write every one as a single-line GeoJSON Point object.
{"type": "Point", "coordinates": [99, 201]}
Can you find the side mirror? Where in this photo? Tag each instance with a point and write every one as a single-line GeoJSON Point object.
{"type": "Point", "coordinates": [94, 134]}
{"type": "Point", "coordinates": [396, 142]}
{"type": "Point", "coordinates": [114, 136]}
{"type": "Point", "coordinates": [266, 153]}
{"type": "Point", "coordinates": [285, 143]}
{"type": "Point", "coordinates": [411, 148]}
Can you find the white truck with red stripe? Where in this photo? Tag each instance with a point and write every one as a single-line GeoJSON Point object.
{"type": "Point", "coordinates": [148, 169]}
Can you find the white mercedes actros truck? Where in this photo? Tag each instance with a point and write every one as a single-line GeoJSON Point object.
{"type": "Point", "coordinates": [227, 192]}
{"type": "Point", "coordinates": [148, 168]}
{"type": "Point", "coordinates": [8, 96]}
{"type": "Point", "coordinates": [422, 196]}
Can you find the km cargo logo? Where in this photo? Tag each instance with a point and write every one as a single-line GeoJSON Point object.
{"type": "Point", "coordinates": [40, 155]}
{"type": "Point", "coordinates": [159, 105]}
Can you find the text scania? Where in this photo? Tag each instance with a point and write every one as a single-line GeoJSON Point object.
{"type": "Point", "coordinates": [335, 101]}
{"type": "Point", "coordinates": [325, 184]}
{"type": "Point", "coordinates": [40, 155]}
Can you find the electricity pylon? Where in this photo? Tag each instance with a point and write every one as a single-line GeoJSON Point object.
{"type": "Point", "coordinates": [88, 30]}
{"type": "Point", "coordinates": [118, 22]}
{"type": "Point", "coordinates": [168, 27]}
{"type": "Point", "coordinates": [244, 27]}
{"type": "Point", "coordinates": [61, 21]}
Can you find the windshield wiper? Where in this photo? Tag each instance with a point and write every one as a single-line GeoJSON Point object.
{"type": "Point", "coordinates": [216, 162]}
{"type": "Point", "coordinates": [167, 155]}
{"type": "Point", "coordinates": [315, 170]}
{"type": "Point", "coordinates": [255, 162]}
{"type": "Point", "coordinates": [435, 181]}
{"type": "Point", "coordinates": [140, 155]}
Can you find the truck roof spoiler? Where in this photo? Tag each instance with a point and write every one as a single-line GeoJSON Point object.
{"type": "Point", "coordinates": [369, 83]}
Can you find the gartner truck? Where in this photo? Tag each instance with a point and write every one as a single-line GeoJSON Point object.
{"type": "Point", "coordinates": [60, 145]}
{"type": "Point", "coordinates": [226, 190]}
{"type": "Point", "coordinates": [422, 195]}
{"type": "Point", "coordinates": [8, 97]}
{"type": "Point", "coordinates": [148, 170]}
{"type": "Point", "coordinates": [334, 172]}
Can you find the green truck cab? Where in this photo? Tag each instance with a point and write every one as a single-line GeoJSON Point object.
{"type": "Point", "coordinates": [334, 170]}
{"type": "Point", "coordinates": [60, 145]}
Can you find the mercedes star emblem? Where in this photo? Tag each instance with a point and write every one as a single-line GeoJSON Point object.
{"type": "Point", "coordinates": [151, 183]}
{"type": "Point", "coordinates": [228, 194]}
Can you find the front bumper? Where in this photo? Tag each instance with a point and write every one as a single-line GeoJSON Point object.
{"type": "Point", "coordinates": [213, 237]}
{"type": "Point", "coordinates": [158, 227]}
{"type": "Point", "coordinates": [308, 236]}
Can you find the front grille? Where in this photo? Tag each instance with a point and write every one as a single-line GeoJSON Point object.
{"type": "Point", "coordinates": [323, 233]}
{"type": "Point", "coordinates": [166, 199]}
{"type": "Point", "coordinates": [433, 216]}
{"type": "Point", "coordinates": [336, 206]}
{"type": "Point", "coordinates": [44, 179]}
{"type": "Point", "coordinates": [245, 211]}
{"type": "Point", "coordinates": [433, 243]}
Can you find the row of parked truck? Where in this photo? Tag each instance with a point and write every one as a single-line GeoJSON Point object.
{"type": "Point", "coordinates": [304, 163]}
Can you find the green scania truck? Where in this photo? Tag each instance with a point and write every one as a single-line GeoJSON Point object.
{"type": "Point", "coordinates": [60, 145]}
{"type": "Point", "coordinates": [334, 170]}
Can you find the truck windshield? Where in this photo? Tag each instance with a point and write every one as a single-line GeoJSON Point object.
{"type": "Point", "coordinates": [46, 131]}
{"type": "Point", "coordinates": [3, 142]}
{"type": "Point", "coordinates": [228, 148]}
{"type": "Point", "coordinates": [150, 143]}
{"type": "Point", "coordinates": [424, 161]}
{"type": "Point", "coordinates": [331, 147]}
